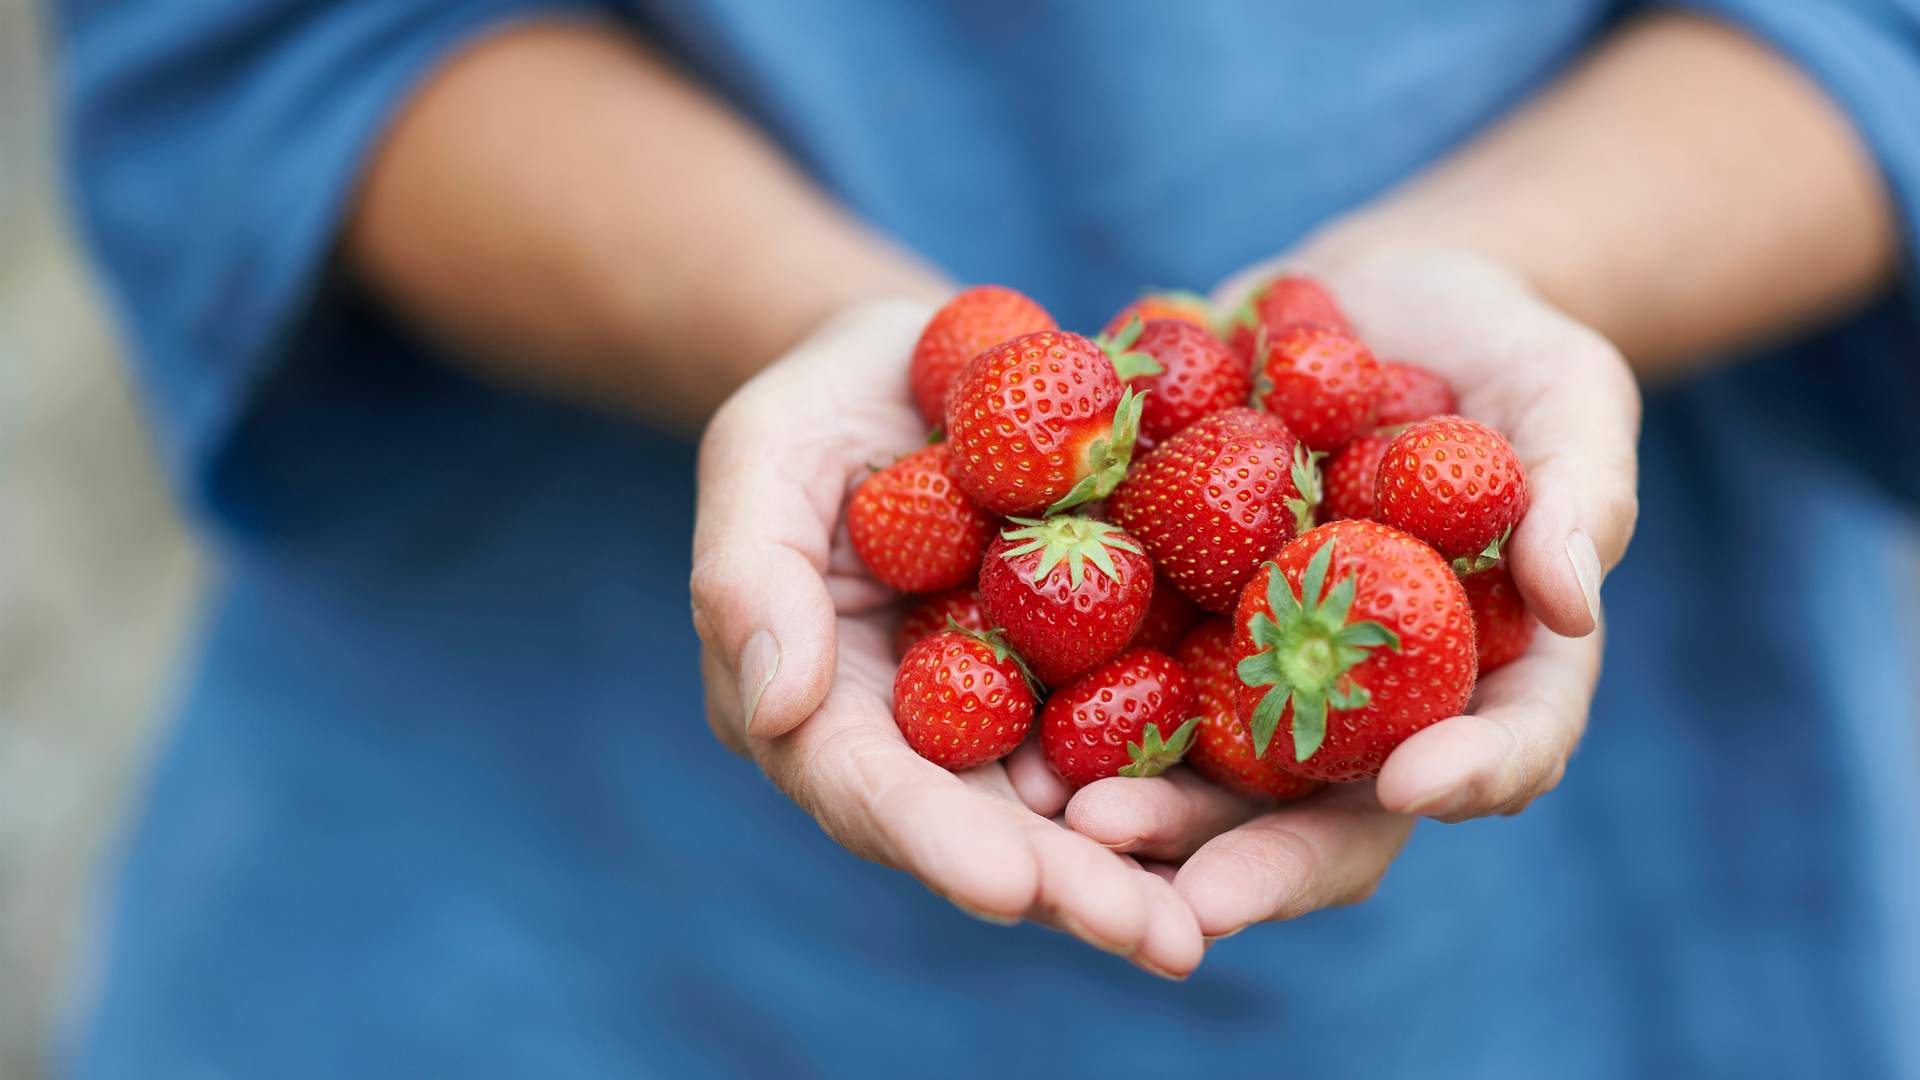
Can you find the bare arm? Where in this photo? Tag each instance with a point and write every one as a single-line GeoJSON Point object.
{"type": "Point", "coordinates": [567, 211]}
{"type": "Point", "coordinates": [1685, 191]}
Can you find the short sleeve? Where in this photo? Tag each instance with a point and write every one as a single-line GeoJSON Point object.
{"type": "Point", "coordinates": [212, 148]}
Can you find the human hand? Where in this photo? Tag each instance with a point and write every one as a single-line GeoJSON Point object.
{"type": "Point", "coordinates": [1568, 403]}
{"type": "Point", "coordinates": [799, 667]}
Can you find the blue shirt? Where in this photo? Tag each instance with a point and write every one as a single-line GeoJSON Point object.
{"type": "Point", "coordinates": [439, 800]}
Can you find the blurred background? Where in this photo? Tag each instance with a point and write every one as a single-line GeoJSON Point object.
{"type": "Point", "coordinates": [97, 577]}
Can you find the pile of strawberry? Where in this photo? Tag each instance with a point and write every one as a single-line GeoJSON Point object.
{"type": "Point", "coordinates": [1129, 520]}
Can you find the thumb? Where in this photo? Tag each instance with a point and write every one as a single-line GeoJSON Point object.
{"type": "Point", "coordinates": [774, 466]}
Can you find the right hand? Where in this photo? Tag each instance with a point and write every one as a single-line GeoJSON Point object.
{"type": "Point", "coordinates": [799, 667]}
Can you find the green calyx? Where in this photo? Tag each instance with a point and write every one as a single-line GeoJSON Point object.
{"type": "Point", "coordinates": [1306, 478]}
{"type": "Point", "coordinates": [1107, 458]}
{"type": "Point", "coordinates": [1488, 556]}
{"type": "Point", "coordinates": [996, 639]}
{"type": "Point", "coordinates": [1076, 541]}
{"type": "Point", "coordinates": [1129, 363]}
{"type": "Point", "coordinates": [1305, 652]}
{"type": "Point", "coordinates": [1153, 756]}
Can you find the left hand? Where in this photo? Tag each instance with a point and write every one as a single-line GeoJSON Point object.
{"type": "Point", "coordinates": [1565, 398]}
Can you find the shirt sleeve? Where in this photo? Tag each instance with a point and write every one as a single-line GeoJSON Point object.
{"type": "Point", "coordinates": [212, 149]}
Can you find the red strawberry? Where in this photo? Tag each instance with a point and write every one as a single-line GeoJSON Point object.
{"type": "Point", "coordinates": [1041, 422]}
{"type": "Point", "coordinates": [971, 323]}
{"type": "Point", "coordinates": [1222, 747]}
{"type": "Point", "coordinates": [1348, 476]}
{"type": "Point", "coordinates": [961, 605]}
{"type": "Point", "coordinates": [1456, 484]}
{"type": "Point", "coordinates": [1191, 374]}
{"type": "Point", "coordinates": [961, 699]}
{"type": "Point", "coordinates": [1183, 306]}
{"type": "Point", "coordinates": [1353, 638]}
{"type": "Point", "coordinates": [1501, 622]}
{"type": "Point", "coordinates": [1069, 592]}
{"type": "Point", "coordinates": [1280, 303]}
{"type": "Point", "coordinates": [1130, 717]}
{"type": "Point", "coordinates": [1410, 392]}
{"type": "Point", "coordinates": [913, 526]}
{"type": "Point", "coordinates": [1213, 501]}
{"type": "Point", "coordinates": [1319, 379]}
{"type": "Point", "coordinates": [1170, 614]}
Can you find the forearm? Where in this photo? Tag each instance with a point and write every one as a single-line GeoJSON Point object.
{"type": "Point", "coordinates": [567, 212]}
{"type": "Point", "coordinates": [1685, 191]}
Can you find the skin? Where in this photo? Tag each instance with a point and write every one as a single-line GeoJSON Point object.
{"type": "Point", "coordinates": [574, 217]}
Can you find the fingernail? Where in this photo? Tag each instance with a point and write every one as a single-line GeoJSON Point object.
{"type": "Point", "coordinates": [759, 662]}
{"type": "Point", "coordinates": [1152, 969]}
{"type": "Point", "coordinates": [987, 917]}
{"type": "Point", "coordinates": [1223, 937]}
{"type": "Point", "coordinates": [1439, 803]}
{"type": "Point", "coordinates": [1586, 568]}
{"type": "Point", "coordinates": [1077, 929]}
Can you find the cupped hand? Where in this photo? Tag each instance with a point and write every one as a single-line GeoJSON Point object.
{"type": "Point", "coordinates": [1568, 403]}
{"type": "Point", "coordinates": [799, 667]}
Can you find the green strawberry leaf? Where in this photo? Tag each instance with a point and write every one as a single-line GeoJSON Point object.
{"type": "Point", "coordinates": [1128, 362]}
{"type": "Point", "coordinates": [1488, 557]}
{"type": "Point", "coordinates": [1304, 652]}
{"type": "Point", "coordinates": [996, 639]}
{"type": "Point", "coordinates": [1151, 756]}
{"type": "Point", "coordinates": [1071, 539]}
{"type": "Point", "coordinates": [1108, 458]}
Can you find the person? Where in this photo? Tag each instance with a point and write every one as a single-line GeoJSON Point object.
{"type": "Point", "coordinates": [422, 293]}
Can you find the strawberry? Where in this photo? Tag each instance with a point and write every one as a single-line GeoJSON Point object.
{"type": "Point", "coordinates": [1192, 374]}
{"type": "Point", "coordinates": [1280, 303]}
{"type": "Point", "coordinates": [1501, 622]}
{"type": "Point", "coordinates": [972, 322]}
{"type": "Point", "coordinates": [1179, 305]}
{"type": "Point", "coordinates": [1068, 591]}
{"type": "Point", "coordinates": [1222, 748]}
{"type": "Point", "coordinates": [1132, 716]}
{"type": "Point", "coordinates": [1455, 484]}
{"type": "Point", "coordinates": [1409, 392]}
{"type": "Point", "coordinates": [1348, 477]}
{"type": "Point", "coordinates": [1215, 499]}
{"type": "Point", "coordinates": [1319, 379]}
{"type": "Point", "coordinates": [960, 604]}
{"type": "Point", "coordinates": [914, 528]}
{"type": "Point", "coordinates": [961, 699]}
{"type": "Point", "coordinates": [1353, 638]}
{"type": "Point", "coordinates": [1170, 614]}
{"type": "Point", "coordinates": [1041, 422]}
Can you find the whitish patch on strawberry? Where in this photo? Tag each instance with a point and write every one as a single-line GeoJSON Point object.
{"type": "Point", "coordinates": [1107, 458]}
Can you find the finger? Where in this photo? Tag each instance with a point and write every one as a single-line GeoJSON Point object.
{"type": "Point", "coordinates": [966, 836]}
{"type": "Point", "coordinates": [1325, 850]}
{"type": "Point", "coordinates": [774, 466]}
{"type": "Point", "coordinates": [1172, 946]}
{"type": "Point", "coordinates": [1034, 781]}
{"type": "Point", "coordinates": [1161, 817]}
{"type": "Point", "coordinates": [1527, 718]}
{"type": "Point", "coordinates": [723, 703]}
{"type": "Point", "coordinates": [1560, 392]}
{"type": "Point", "coordinates": [1088, 891]}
